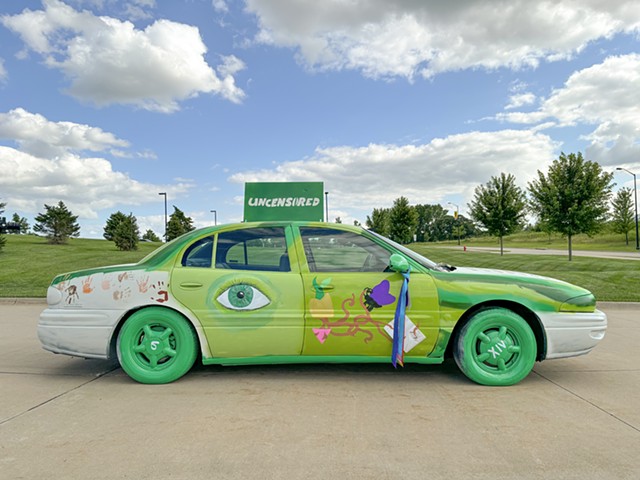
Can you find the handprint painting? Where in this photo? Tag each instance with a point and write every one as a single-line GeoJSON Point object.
{"type": "Point", "coordinates": [301, 292]}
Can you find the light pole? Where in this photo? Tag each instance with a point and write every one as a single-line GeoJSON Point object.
{"type": "Point", "coordinates": [635, 202]}
{"type": "Point", "coordinates": [326, 206]}
{"type": "Point", "coordinates": [165, 214]}
{"type": "Point", "coordinates": [215, 217]}
{"type": "Point", "coordinates": [455, 216]}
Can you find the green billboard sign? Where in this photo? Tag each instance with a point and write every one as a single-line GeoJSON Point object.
{"type": "Point", "coordinates": [283, 201]}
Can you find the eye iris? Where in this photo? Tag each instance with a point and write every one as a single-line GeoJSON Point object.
{"type": "Point", "coordinates": [240, 295]}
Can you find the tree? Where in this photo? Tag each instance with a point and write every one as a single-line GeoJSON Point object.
{"type": "Point", "coordinates": [432, 223]}
{"type": "Point", "coordinates": [58, 224]}
{"type": "Point", "coordinates": [150, 236]}
{"type": "Point", "coordinates": [499, 206]}
{"type": "Point", "coordinates": [179, 224]}
{"type": "Point", "coordinates": [126, 234]}
{"type": "Point", "coordinates": [112, 224]}
{"type": "Point", "coordinates": [379, 221]}
{"type": "Point", "coordinates": [622, 219]}
{"type": "Point", "coordinates": [22, 221]}
{"type": "Point", "coordinates": [3, 240]}
{"type": "Point", "coordinates": [403, 220]}
{"type": "Point", "coordinates": [338, 220]}
{"type": "Point", "coordinates": [573, 197]}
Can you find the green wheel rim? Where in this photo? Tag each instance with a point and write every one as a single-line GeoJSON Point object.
{"type": "Point", "coordinates": [496, 347]}
{"type": "Point", "coordinates": [156, 345]}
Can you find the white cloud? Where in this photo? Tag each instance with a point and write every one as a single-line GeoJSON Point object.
{"type": "Point", "coordinates": [41, 137]}
{"type": "Point", "coordinates": [220, 6]}
{"type": "Point", "coordinates": [48, 167]}
{"type": "Point", "coordinates": [86, 185]}
{"type": "Point", "coordinates": [110, 61]}
{"type": "Point", "coordinates": [373, 176]}
{"type": "Point", "coordinates": [606, 96]}
{"type": "Point", "coordinates": [520, 100]}
{"type": "Point", "coordinates": [388, 38]}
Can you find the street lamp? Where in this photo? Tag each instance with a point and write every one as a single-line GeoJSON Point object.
{"type": "Point", "coordinates": [215, 217]}
{"type": "Point", "coordinates": [635, 195]}
{"type": "Point", "coordinates": [326, 206]}
{"type": "Point", "coordinates": [455, 216]}
{"type": "Point", "coordinates": [165, 214]}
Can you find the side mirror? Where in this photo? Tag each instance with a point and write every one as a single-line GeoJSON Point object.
{"type": "Point", "coordinates": [398, 263]}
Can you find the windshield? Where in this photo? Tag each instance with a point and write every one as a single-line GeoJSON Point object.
{"type": "Point", "coordinates": [409, 253]}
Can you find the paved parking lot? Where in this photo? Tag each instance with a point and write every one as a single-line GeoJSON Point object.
{"type": "Point", "coordinates": [63, 417]}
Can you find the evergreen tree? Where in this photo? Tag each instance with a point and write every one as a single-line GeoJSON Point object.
{"type": "Point", "coordinates": [112, 224]}
{"type": "Point", "coordinates": [57, 224]}
{"type": "Point", "coordinates": [126, 234]}
{"type": "Point", "coordinates": [622, 218]}
{"type": "Point", "coordinates": [150, 236]}
{"type": "Point", "coordinates": [178, 224]}
{"type": "Point", "coordinates": [573, 197]}
{"type": "Point", "coordinates": [499, 206]}
{"type": "Point", "coordinates": [403, 220]}
{"type": "Point", "coordinates": [22, 221]}
{"type": "Point", "coordinates": [379, 221]}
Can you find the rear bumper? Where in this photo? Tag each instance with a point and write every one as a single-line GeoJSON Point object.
{"type": "Point", "coordinates": [81, 333]}
{"type": "Point", "coordinates": [571, 334]}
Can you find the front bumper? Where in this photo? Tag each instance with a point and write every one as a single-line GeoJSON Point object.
{"type": "Point", "coordinates": [81, 332]}
{"type": "Point", "coordinates": [570, 334]}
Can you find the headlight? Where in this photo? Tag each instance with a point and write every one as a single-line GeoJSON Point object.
{"type": "Point", "coordinates": [582, 303]}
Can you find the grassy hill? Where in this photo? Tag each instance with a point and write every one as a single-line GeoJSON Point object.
{"type": "Point", "coordinates": [28, 263]}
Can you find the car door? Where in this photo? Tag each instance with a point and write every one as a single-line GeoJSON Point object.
{"type": "Point", "coordinates": [246, 290]}
{"type": "Point", "coordinates": [351, 297]}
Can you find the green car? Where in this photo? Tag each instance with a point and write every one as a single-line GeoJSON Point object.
{"type": "Point", "coordinates": [300, 292]}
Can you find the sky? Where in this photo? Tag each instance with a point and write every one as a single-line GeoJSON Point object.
{"type": "Point", "coordinates": [106, 103]}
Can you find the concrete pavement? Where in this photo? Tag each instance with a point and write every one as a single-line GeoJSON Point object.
{"type": "Point", "coordinates": [63, 417]}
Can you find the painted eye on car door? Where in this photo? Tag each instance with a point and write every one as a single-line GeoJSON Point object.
{"type": "Point", "coordinates": [242, 296]}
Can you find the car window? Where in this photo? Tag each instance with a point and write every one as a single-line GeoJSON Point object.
{"type": "Point", "coordinates": [332, 250]}
{"type": "Point", "coordinates": [262, 248]}
{"type": "Point", "coordinates": [199, 253]}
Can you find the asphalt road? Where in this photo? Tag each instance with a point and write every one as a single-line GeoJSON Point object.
{"type": "Point", "coordinates": [69, 418]}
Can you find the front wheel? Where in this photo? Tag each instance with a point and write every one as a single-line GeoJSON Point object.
{"type": "Point", "coordinates": [156, 345]}
{"type": "Point", "coordinates": [496, 347]}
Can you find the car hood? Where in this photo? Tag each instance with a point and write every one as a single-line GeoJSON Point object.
{"type": "Point", "coordinates": [468, 286]}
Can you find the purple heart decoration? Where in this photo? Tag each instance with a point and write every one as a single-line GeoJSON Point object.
{"type": "Point", "coordinates": [380, 293]}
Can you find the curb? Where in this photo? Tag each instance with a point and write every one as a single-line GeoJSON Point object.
{"type": "Point", "coordinates": [618, 305]}
{"type": "Point", "coordinates": [22, 301]}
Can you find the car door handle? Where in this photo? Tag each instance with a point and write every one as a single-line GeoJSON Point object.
{"type": "Point", "coordinates": [190, 285]}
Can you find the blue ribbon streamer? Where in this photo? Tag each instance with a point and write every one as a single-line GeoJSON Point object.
{"type": "Point", "coordinates": [397, 352]}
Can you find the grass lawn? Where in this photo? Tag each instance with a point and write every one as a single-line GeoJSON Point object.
{"type": "Point", "coordinates": [609, 280]}
{"type": "Point", "coordinates": [28, 263]}
{"type": "Point", "coordinates": [603, 241]}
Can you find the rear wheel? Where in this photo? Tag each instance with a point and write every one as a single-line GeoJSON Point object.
{"type": "Point", "coordinates": [156, 345]}
{"type": "Point", "coordinates": [496, 347]}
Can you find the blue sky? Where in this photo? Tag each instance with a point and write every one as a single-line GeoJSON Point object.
{"type": "Point", "coordinates": [106, 103]}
